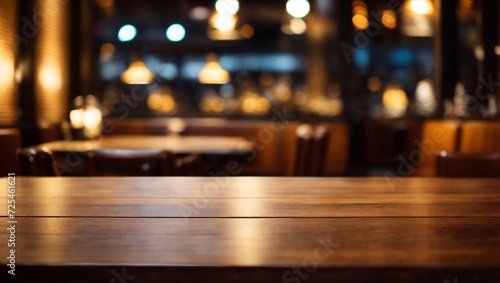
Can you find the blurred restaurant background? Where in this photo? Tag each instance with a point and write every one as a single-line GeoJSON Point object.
{"type": "Point", "coordinates": [379, 73]}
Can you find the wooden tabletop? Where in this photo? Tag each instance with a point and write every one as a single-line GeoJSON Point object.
{"type": "Point", "coordinates": [176, 144]}
{"type": "Point", "coordinates": [255, 229]}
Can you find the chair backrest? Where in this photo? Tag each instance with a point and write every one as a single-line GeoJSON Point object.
{"type": "Point", "coordinates": [130, 162]}
{"type": "Point", "coordinates": [37, 162]}
{"type": "Point", "coordinates": [312, 144]}
{"type": "Point", "coordinates": [10, 142]}
{"type": "Point", "coordinates": [436, 136]}
{"type": "Point", "coordinates": [188, 166]}
{"type": "Point", "coordinates": [304, 140]}
{"type": "Point", "coordinates": [480, 137]}
{"type": "Point", "coordinates": [468, 165]}
{"type": "Point", "coordinates": [337, 154]}
{"type": "Point", "coordinates": [50, 132]}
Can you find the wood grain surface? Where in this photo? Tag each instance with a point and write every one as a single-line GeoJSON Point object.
{"type": "Point", "coordinates": [254, 197]}
{"type": "Point", "coordinates": [176, 144]}
{"type": "Point", "coordinates": [255, 229]}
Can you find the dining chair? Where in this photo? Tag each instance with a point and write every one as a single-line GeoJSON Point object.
{"type": "Point", "coordinates": [480, 137]}
{"type": "Point", "coordinates": [37, 162]}
{"type": "Point", "coordinates": [10, 141]}
{"type": "Point", "coordinates": [458, 165]}
{"type": "Point", "coordinates": [436, 136]}
{"type": "Point", "coordinates": [130, 162]}
{"type": "Point", "coordinates": [50, 132]}
{"type": "Point", "coordinates": [188, 166]}
{"type": "Point", "coordinates": [312, 144]}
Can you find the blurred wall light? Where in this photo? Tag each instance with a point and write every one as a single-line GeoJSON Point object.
{"type": "Point", "coordinates": [92, 118]}
{"type": "Point", "coordinates": [298, 8]}
{"type": "Point", "coordinates": [8, 85]}
{"type": "Point", "coordinates": [325, 106]}
{"type": "Point", "coordinates": [298, 26]}
{"type": "Point", "coordinates": [389, 19]}
{"type": "Point", "coordinates": [295, 26]}
{"type": "Point", "coordinates": [86, 118]}
{"type": "Point", "coordinates": [127, 33]}
{"type": "Point", "coordinates": [162, 101]}
{"type": "Point", "coordinates": [417, 18]}
{"type": "Point", "coordinates": [175, 32]}
{"type": "Point", "coordinates": [51, 62]}
{"type": "Point", "coordinates": [360, 15]}
{"type": "Point", "coordinates": [212, 72]}
{"type": "Point", "coordinates": [223, 22]}
{"type": "Point", "coordinates": [420, 7]}
{"type": "Point", "coordinates": [254, 104]}
{"type": "Point", "coordinates": [227, 7]}
{"type": "Point", "coordinates": [212, 103]}
{"type": "Point", "coordinates": [425, 104]}
{"type": "Point", "coordinates": [394, 101]}
{"type": "Point", "coordinates": [137, 73]}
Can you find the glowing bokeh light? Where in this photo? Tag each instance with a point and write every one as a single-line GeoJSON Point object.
{"type": "Point", "coordinates": [176, 32]}
{"type": "Point", "coordinates": [227, 7]}
{"type": "Point", "coordinates": [127, 33]}
{"type": "Point", "coordinates": [298, 8]}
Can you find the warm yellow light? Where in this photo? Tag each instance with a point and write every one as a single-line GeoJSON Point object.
{"type": "Point", "coordinates": [389, 19]}
{"type": "Point", "coordinates": [76, 118]}
{"type": "Point", "coordinates": [421, 7]}
{"type": "Point", "coordinates": [298, 8]}
{"type": "Point", "coordinates": [212, 104]}
{"type": "Point", "coordinates": [298, 26]}
{"type": "Point", "coordinates": [162, 103]}
{"type": "Point", "coordinates": [394, 101]}
{"type": "Point", "coordinates": [213, 73]}
{"type": "Point", "coordinates": [360, 10]}
{"type": "Point", "coordinates": [223, 22]}
{"type": "Point", "coordinates": [358, 3]}
{"type": "Point", "coordinates": [325, 106]}
{"type": "Point", "coordinates": [424, 91]}
{"type": "Point", "coordinates": [247, 31]}
{"type": "Point", "coordinates": [50, 77]}
{"type": "Point", "coordinates": [360, 22]}
{"type": "Point", "coordinates": [51, 61]}
{"type": "Point", "coordinates": [92, 117]}
{"type": "Point", "coordinates": [254, 104]}
{"type": "Point", "coordinates": [6, 70]}
{"type": "Point", "coordinates": [137, 73]}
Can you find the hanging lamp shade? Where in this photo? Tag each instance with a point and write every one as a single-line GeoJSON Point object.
{"type": "Point", "coordinates": [137, 73]}
{"type": "Point", "coordinates": [212, 72]}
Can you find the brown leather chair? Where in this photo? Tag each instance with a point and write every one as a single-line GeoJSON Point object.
{"type": "Point", "coordinates": [458, 165]}
{"type": "Point", "coordinates": [436, 136]}
{"type": "Point", "coordinates": [337, 154]}
{"type": "Point", "coordinates": [10, 142]}
{"type": "Point", "coordinates": [37, 162]}
{"type": "Point", "coordinates": [480, 137]}
{"type": "Point", "coordinates": [312, 144]}
{"type": "Point", "coordinates": [130, 162]}
{"type": "Point", "coordinates": [188, 166]}
{"type": "Point", "coordinates": [50, 132]}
